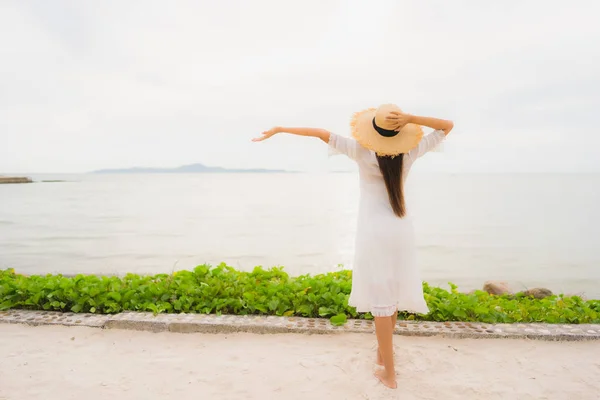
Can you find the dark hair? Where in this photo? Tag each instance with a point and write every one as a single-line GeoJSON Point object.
{"type": "Point", "coordinates": [391, 169]}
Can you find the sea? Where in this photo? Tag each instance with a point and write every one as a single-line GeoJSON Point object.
{"type": "Point", "coordinates": [529, 230]}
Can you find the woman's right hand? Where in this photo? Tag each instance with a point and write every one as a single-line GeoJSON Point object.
{"type": "Point", "coordinates": [310, 132]}
{"type": "Point", "coordinates": [267, 134]}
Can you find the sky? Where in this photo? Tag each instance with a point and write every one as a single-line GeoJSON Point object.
{"type": "Point", "coordinates": [86, 85]}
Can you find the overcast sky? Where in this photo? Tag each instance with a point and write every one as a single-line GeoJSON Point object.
{"type": "Point", "coordinates": [96, 84]}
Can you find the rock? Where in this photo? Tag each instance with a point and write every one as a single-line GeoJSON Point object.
{"type": "Point", "coordinates": [538, 293]}
{"type": "Point", "coordinates": [495, 287]}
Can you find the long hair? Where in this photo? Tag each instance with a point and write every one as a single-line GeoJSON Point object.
{"type": "Point", "coordinates": [391, 169]}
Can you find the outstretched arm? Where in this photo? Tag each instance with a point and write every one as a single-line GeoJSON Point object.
{"type": "Point", "coordinates": [310, 132]}
{"type": "Point", "coordinates": [337, 144]}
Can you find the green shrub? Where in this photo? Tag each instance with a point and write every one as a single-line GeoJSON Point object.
{"type": "Point", "coordinates": [224, 290]}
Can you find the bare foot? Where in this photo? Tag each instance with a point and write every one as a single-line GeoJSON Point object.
{"type": "Point", "coordinates": [385, 379]}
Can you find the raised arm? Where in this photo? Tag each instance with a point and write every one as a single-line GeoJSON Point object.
{"type": "Point", "coordinates": [441, 128]}
{"type": "Point", "coordinates": [401, 119]}
{"type": "Point", "coordinates": [310, 132]}
{"type": "Point", "coordinates": [434, 123]}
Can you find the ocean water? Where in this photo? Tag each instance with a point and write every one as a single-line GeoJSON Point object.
{"type": "Point", "coordinates": [530, 230]}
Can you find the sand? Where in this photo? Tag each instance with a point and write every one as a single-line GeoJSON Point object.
{"type": "Point", "coordinates": [55, 362]}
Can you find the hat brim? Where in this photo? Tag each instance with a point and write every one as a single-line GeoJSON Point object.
{"type": "Point", "coordinates": [363, 132]}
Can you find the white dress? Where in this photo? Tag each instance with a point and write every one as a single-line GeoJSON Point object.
{"type": "Point", "coordinates": [385, 275]}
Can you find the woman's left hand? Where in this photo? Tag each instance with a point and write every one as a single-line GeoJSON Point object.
{"type": "Point", "coordinates": [399, 119]}
{"type": "Point", "coordinates": [266, 134]}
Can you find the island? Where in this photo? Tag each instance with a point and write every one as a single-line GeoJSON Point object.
{"type": "Point", "coordinates": [185, 169]}
{"type": "Point", "coordinates": [14, 179]}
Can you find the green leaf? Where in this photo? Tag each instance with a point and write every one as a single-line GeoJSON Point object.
{"type": "Point", "coordinates": [115, 296]}
{"type": "Point", "coordinates": [481, 310]}
{"type": "Point", "coordinates": [305, 310]}
{"type": "Point", "coordinates": [273, 304]}
{"type": "Point", "coordinates": [76, 308]}
{"type": "Point", "coordinates": [338, 320]}
{"type": "Point", "coordinates": [261, 308]}
{"type": "Point", "coordinates": [5, 305]}
{"type": "Point", "coordinates": [324, 311]}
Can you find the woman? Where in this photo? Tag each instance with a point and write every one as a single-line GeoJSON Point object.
{"type": "Point", "coordinates": [385, 142]}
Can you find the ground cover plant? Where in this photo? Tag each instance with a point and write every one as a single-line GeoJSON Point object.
{"type": "Point", "coordinates": [225, 290]}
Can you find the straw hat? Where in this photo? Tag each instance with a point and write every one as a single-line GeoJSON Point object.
{"type": "Point", "coordinates": [371, 129]}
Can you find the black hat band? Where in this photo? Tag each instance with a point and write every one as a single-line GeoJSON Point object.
{"type": "Point", "coordinates": [384, 132]}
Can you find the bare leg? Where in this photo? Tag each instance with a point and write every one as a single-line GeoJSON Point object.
{"type": "Point", "coordinates": [394, 319]}
{"type": "Point", "coordinates": [384, 331]}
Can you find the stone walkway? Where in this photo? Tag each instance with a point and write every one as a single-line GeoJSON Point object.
{"type": "Point", "coordinates": [188, 323]}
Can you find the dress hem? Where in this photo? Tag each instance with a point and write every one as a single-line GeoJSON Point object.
{"type": "Point", "coordinates": [388, 311]}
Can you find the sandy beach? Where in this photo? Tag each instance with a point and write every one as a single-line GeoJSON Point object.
{"type": "Point", "coordinates": [55, 362]}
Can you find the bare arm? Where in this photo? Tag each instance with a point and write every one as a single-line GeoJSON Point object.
{"type": "Point", "coordinates": [401, 119]}
{"type": "Point", "coordinates": [434, 123]}
{"type": "Point", "coordinates": [309, 132]}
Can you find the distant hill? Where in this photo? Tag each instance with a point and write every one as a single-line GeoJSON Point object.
{"type": "Point", "coordinates": [184, 169]}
